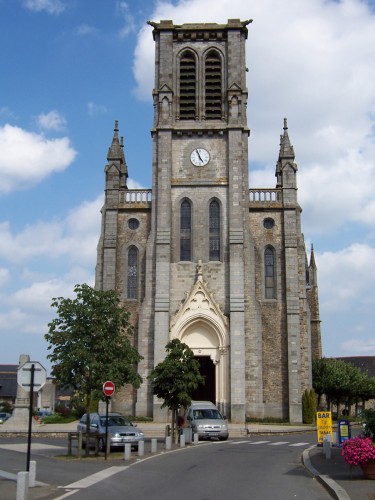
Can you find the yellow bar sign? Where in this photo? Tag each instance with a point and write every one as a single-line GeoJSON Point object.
{"type": "Point", "coordinates": [324, 425]}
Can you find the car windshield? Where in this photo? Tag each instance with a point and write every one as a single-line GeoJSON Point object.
{"type": "Point", "coordinates": [114, 420]}
{"type": "Point", "coordinates": [207, 414]}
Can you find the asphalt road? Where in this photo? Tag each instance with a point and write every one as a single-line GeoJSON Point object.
{"type": "Point", "coordinates": [260, 467]}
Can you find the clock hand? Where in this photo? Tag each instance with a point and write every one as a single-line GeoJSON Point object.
{"type": "Point", "coordinates": [199, 156]}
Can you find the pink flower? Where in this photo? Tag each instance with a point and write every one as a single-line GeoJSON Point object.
{"type": "Point", "coordinates": [358, 451]}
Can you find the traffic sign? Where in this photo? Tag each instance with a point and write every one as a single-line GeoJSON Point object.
{"type": "Point", "coordinates": [108, 388]}
{"type": "Point", "coordinates": [24, 375]}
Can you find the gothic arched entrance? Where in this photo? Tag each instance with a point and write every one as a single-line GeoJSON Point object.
{"type": "Point", "coordinates": [202, 326]}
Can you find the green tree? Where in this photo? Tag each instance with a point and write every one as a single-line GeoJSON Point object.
{"type": "Point", "coordinates": [308, 406]}
{"type": "Point", "coordinates": [340, 382]}
{"type": "Point", "coordinates": [89, 343]}
{"type": "Point", "coordinates": [174, 379]}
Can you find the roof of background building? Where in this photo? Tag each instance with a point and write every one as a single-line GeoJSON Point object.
{"type": "Point", "coordinates": [365, 363]}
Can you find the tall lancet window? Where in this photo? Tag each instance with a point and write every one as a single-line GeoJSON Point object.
{"type": "Point", "coordinates": [269, 273]}
{"type": "Point", "coordinates": [214, 230]}
{"type": "Point", "coordinates": [132, 273]}
{"type": "Point", "coordinates": [188, 85]}
{"type": "Point", "coordinates": [213, 86]}
{"type": "Point", "coordinates": [185, 231]}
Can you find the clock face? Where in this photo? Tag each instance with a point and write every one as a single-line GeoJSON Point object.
{"type": "Point", "coordinates": [199, 157]}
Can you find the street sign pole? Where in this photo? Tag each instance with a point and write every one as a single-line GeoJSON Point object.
{"type": "Point", "coordinates": [107, 398]}
{"type": "Point", "coordinates": [108, 391]}
{"type": "Point", "coordinates": [32, 370]}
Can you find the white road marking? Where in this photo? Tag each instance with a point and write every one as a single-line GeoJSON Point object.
{"type": "Point", "coordinates": [278, 443]}
{"type": "Point", "coordinates": [22, 447]}
{"type": "Point", "coordinates": [95, 478]}
{"type": "Point", "coordinates": [67, 494]}
{"type": "Point", "coordinates": [240, 442]}
{"type": "Point", "coordinates": [258, 442]}
{"type": "Point", "coordinates": [299, 444]}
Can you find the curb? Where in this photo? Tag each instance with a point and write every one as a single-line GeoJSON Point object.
{"type": "Point", "coordinates": [334, 489]}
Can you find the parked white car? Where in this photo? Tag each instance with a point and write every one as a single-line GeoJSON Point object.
{"type": "Point", "coordinates": [120, 430]}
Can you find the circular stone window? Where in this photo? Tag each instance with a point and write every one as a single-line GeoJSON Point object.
{"type": "Point", "coordinates": [133, 223]}
{"type": "Point", "coordinates": [268, 223]}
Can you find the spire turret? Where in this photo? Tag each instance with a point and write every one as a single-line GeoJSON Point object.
{"type": "Point", "coordinates": [286, 149]}
{"type": "Point", "coordinates": [286, 169]}
{"type": "Point", "coordinates": [115, 152]}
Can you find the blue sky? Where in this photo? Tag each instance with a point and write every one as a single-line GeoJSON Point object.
{"type": "Point", "coordinates": [70, 68]}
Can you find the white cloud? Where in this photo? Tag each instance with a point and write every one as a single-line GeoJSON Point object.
{"type": "Point", "coordinates": [26, 158]}
{"type": "Point", "coordinates": [345, 276]}
{"type": "Point", "coordinates": [95, 109]}
{"type": "Point", "coordinates": [359, 347]}
{"type": "Point", "coordinates": [323, 84]}
{"type": "Point", "coordinates": [129, 21]}
{"type": "Point", "coordinates": [28, 310]}
{"type": "Point", "coordinates": [85, 29]}
{"type": "Point", "coordinates": [67, 249]}
{"type": "Point", "coordinates": [52, 120]}
{"type": "Point", "coordinates": [4, 276]}
{"type": "Point", "coordinates": [50, 6]}
{"type": "Point", "coordinates": [75, 238]}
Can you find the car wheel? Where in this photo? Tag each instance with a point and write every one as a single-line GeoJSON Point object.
{"type": "Point", "coordinates": [223, 438]}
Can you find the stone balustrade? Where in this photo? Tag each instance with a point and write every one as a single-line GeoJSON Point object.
{"type": "Point", "coordinates": [136, 198]}
{"type": "Point", "coordinates": [265, 197]}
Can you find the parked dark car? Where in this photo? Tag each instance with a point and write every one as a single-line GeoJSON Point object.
{"type": "Point", "coordinates": [4, 417]}
{"type": "Point", "coordinates": [120, 430]}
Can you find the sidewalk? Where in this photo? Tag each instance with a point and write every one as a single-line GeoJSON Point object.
{"type": "Point", "coordinates": [342, 481]}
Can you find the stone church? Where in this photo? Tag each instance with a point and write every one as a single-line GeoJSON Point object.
{"type": "Point", "coordinates": [202, 256]}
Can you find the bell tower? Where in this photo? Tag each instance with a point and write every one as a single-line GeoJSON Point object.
{"type": "Point", "coordinates": [202, 256]}
{"type": "Point", "coordinates": [200, 170]}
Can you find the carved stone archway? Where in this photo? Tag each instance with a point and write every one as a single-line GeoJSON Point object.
{"type": "Point", "coordinates": [203, 327]}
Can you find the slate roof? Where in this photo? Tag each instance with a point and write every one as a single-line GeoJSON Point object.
{"type": "Point", "coordinates": [365, 363]}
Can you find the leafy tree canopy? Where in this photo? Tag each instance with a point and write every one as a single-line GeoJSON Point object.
{"type": "Point", "coordinates": [341, 382]}
{"type": "Point", "coordinates": [89, 342]}
{"type": "Point", "coordinates": [175, 379]}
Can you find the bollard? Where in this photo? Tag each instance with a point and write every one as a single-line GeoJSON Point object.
{"type": "Point", "coordinates": [141, 448]}
{"type": "Point", "coordinates": [127, 451]}
{"type": "Point", "coordinates": [154, 445]}
{"type": "Point", "coordinates": [327, 446]}
{"type": "Point", "coordinates": [335, 443]}
{"type": "Point", "coordinates": [22, 486]}
{"type": "Point", "coordinates": [79, 451]}
{"type": "Point", "coordinates": [182, 441]}
{"type": "Point", "coordinates": [196, 439]}
{"type": "Point", "coordinates": [168, 442]}
{"type": "Point", "coordinates": [32, 473]}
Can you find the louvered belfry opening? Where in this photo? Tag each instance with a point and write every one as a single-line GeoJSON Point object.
{"type": "Point", "coordinates": [188, 86]}
{"type": "Point", "coordinates": [213, 86]}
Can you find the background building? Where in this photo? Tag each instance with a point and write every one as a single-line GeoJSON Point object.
{"type": "Point", "coordinates": [201, 256]}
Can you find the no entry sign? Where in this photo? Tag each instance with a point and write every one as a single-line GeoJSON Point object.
{"type": "Point", "coordinates": [108, 388]}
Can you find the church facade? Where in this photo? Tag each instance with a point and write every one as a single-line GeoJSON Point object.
{"type": "Point", "coordinates": [202, 256]}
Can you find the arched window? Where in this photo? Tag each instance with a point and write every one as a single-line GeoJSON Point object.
{"type": "Point", "coordinates": [188, 86]}
{"type": "Point", "coordinates": [132, 273]}
{"type": "Point", "coordinates": [213, 108]}
{"type": "Point", "coordinates": [185, 231]}
{"type": "Point", "coordinates": [269, 273]}
{"type": "Point", "coordinates": [214, 230]}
